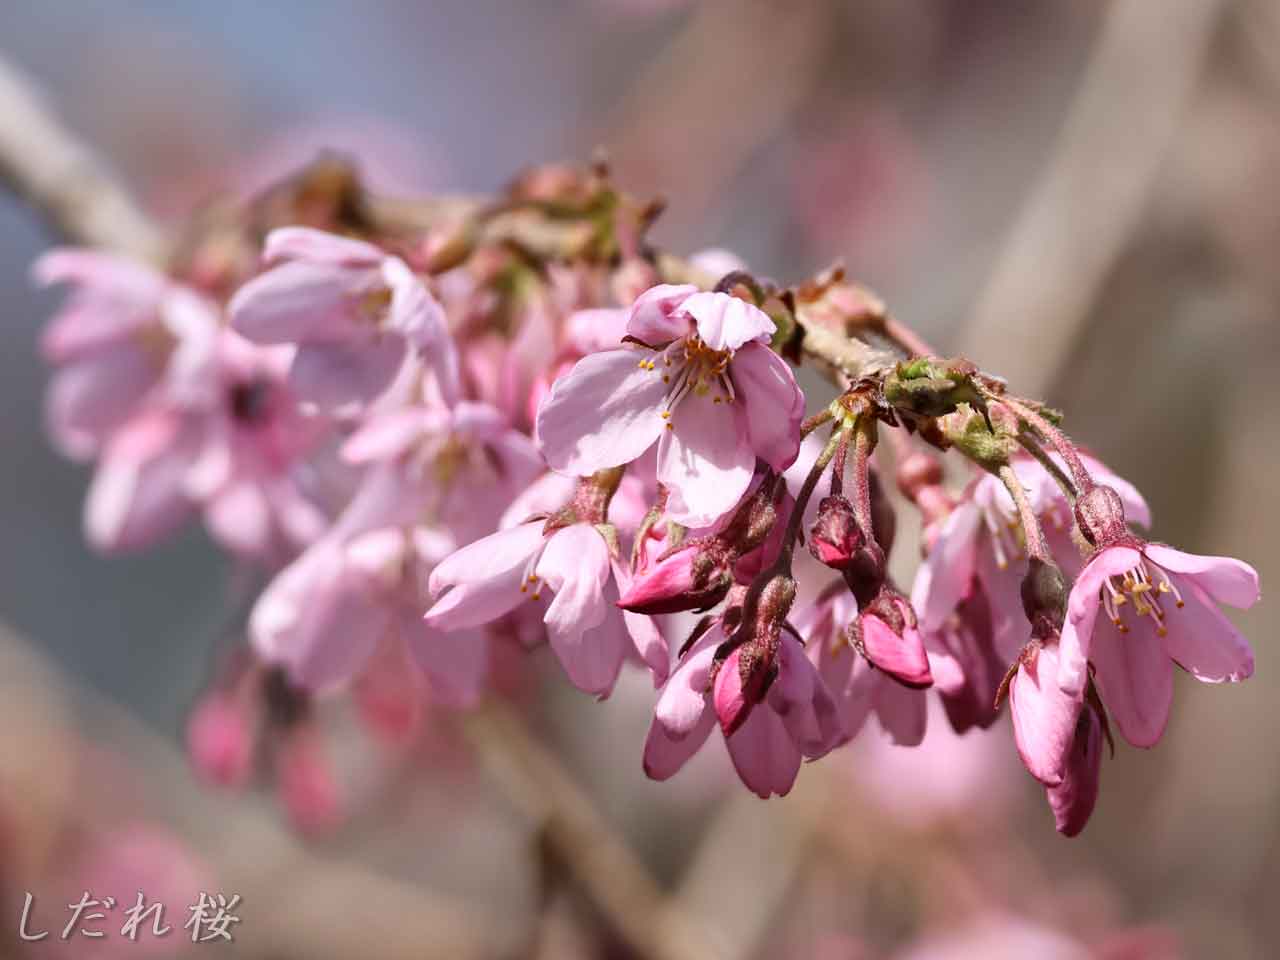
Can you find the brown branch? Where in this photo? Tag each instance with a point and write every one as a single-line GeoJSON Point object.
{"type": "Point", "coordinates": [49, 167]}
{"type": "Point", "coordinates": [1089, 198]}
{"type": "Point", "coordinates": [606, 868]}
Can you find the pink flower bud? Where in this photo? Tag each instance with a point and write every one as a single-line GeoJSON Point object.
{"type": "Point", "coordinates": [888, 638]}
{"type": "Point", "coordinates": [695, 576]}
{"type": "Point", "coordinates": [220, 740]}
{"type": "Point", "coordinates": [835, 537]}
{"type": "Point", "coordinates": [729, 696]}
{"type": "Point", "coordinates": [306, 783]}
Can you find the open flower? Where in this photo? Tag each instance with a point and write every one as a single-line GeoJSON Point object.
{"type": "Point", "coordinates": [124, 330]}
{"type": "Point", "coordinates": [352, 310]}
{"type": "Point", "coordinates": [569, 567]}
{"type": "Point", "coordinates": [699, 380]}
{"type": "Point", "coordinates": [1159, 606]}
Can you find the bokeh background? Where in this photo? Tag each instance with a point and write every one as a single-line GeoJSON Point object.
{"type": "Point", "coordinates": [1079, 195]}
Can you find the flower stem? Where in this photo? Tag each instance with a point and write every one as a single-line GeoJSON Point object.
{"type": "Point", "coordinates": [1059, 475]}
{"type": "Point", "coordinates": [1058, 440]}
{"type": "Point", "coordinates": [864, 442]}
{"type": "Point", "coordinates": [1036, 545]}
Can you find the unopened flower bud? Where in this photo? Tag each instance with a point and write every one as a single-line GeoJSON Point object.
{"type": "Point", "coordinates": [746, 673]}
{"type": "Point", "coordinates": [305, 779]}
{"type": "Point", "coordinates": [835, 536]}
{"type": "Point", "coordinates": [220, 740]}
{"type": "Point", "coordinates": [695, 576]}
{"type": "Point", "coordinates": [886, 633]}
{"type": "Point", "coordinates": [1100, 514]}
{"type": "Point", "coordinates": [920, 481]}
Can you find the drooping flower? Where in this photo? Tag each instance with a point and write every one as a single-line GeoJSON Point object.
{"type": "Point", "coordinates": [573, 566]}
{"type": "Point", "coordinates": [1073, 799]}
{"type": "Point", "coordinates": [699, 380]}
{"type": "Point", "coordinates": [1044, 716]}
{"type": "Point", "coordinates": [976, 557]}
{"type": "Point", "coordinates": [1159, 606]}
{"type": "Point", "coordinates": [353, 311]}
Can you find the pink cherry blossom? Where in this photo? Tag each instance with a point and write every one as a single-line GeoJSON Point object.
{"type": "Point", "coordinates": [796, 720]}
{"type": "Point", "coordinates": [700, 382]}
{"type": "Point", "coordinates": [353, 311]}
{"type": "Point", "coordinates": [977, 550]}
{"type": "Point", "coordinates": [123, 331]}
{"type": "Point", "coordinates": [1160, 607]}
{"type": "Point", "coordinates": [573, 567]}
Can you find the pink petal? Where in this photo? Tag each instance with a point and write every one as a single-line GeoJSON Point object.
{"type": "Point", "coordinates": [604, 413]}
{"type": "Point", "coordinates": [804, 703]}
{"type": "Point", "coordinates": [318, 246]}
{"type": "Point", "coordinates": [763, 753]}
{"type": "Point", "coordinates": [334, 376]}
{"type": "Point", "coordinates": [726, 323]}
{"type": "Point", "coordinates": [1044, 718]}
{"type": "Point", "coordinates": [455, 662]}
{"type": "Point", "coordinates": [947, 570]}
{"type": "Point", "coordinates": [575, 565]}
{"type": "Point", "coordinates": [302, 302]}
{"type": "Point", "coordinates": [88, 398]}
{"type": "Point", "coordinates": [1072, 801]}
{"type": "Point", "coordinates": [389, 693]}
{"type": "Point", "coordinates": [589, 331]}
{"type": "Point", "coordinates": [1135, 678]}
{"type": "Point", "coordinates": [420, 318]}
{"type": "Point", "coordinates": [682, 703]}
{"type": "Point", "coordinates": [664, 754]}
{"type": "Point", "coordinates": [239, 518]}
{"type": "Point", "coordinates": [902, 711]}
{"type": "Point", "coordinates": [1082, 610]}
{"type": "Point", "coordinates": [1203, 641]}
{"type": "Point", "coordinates": [902, 657]}
{"type": "Point", "coordinates": [114, 276]}
{"type": "Point", "coordinates": [704, 461]}
{"type": "Point", "coordinates": [645, 635]}
{"type": "Point", "coordinates": [770, 403]}
{"type": "Point", "coordinates": [485, 577]}
{"type": "Point", "coordinates": [1226, 579]}
{"type": "Point", "coordinates": [654, 318]}
{"type": "Point", "coordinates": [388, 434]}
{"type": "Point", "coordinates": [728, 696]}
{"type": "Point", "coordinates": [137, 495]}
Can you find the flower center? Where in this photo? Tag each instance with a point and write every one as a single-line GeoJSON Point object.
{"type": "Point", "coordinates": [689, 366]}
{"type": "Point", "coordinates": [1137, 590]}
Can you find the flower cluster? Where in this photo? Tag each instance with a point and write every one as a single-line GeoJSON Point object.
{"type": "Point", "coordinates": [444, 430]}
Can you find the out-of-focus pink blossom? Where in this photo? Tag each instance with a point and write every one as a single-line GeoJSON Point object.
{"type": "Point", "coordinates": [221, 739]}
{"type": "Point", "coordinates": [122, 333]}
{"type": "Point", "coordinates": [699, 381]}
{"type": "Point", "coordinates": [352, 310]}
{"type": "Point", "coordinates": [306, 782]}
